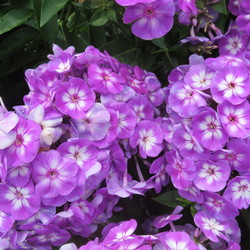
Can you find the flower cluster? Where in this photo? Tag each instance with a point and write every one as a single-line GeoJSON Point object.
{"type": "Point", "coordinates": [64, 154]}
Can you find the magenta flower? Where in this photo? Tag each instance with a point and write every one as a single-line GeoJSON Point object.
{"type": "Point", "coordinates": [211, 227]}
{"type": "Point", "coordinates": [181, 171]}
{"type": "Point", "coordinates": [191, 193]}
{"type": "Point", "coordinates": [238, 191]}
{"type": "Point", "coordinates": [185, 100]}
{"type": "Point", "coordinates": [74, 98]}
{"type": "Point", "coordinates": [20, 202]}
{"type": "Point", "coordinates": [19, 176]}
{"type": "Point", "coordinates": [152, 20]}
{"type": "Point", "coordinates": [61, 63]}
{"type": "Point", "coordinates": [104, 81]}
{"type": "Point", "coordinates": [243, 22]}
{"type": "Point", "coordinates": [235, 118]}
{"type": "Point", "coordinates": [208, 131]}
{"type": "Point", "coordinates": [6, 222]}
{"type": "Point", "coordinates": [149, 137]}
{"type": "Point", "coordinates": [95, 125]}
{"type": "Point", "coordinates": [230, 84]}
{"type": "Point", "coordinates": [54, 175]}
{"type": "Point", "coordinates": [211, 176]}
{"type": "Point", "coordinates": [26, 144]}
{"type": "Point", "coordinates": [188, 6]}
{"type": "Point", "coordinates": [177, 240]}
{"type": "Point", "coordinates": [132, 2]}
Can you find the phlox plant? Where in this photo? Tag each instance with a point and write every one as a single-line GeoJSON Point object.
{"type": "Point", "coordinates": [94, 131]}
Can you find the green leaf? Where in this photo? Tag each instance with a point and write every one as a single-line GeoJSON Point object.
{"type": "Point", "coordinates": [171, 199]}
{"type": "Point", "coordinates": [50, 30]}
{"type": "Point", "coordinates": [99, 18]}
{"type": "Point", "coordinates": [16, 40]}
{"type": "Point", "coordinates": [159, 42]}
{"type": "Point", "coordinates": [193, 210]}
{"type": "Point", "coordinates": [37, 5]}
{"type": "Point", "coordinates": [13, 19]}
{"type": "Point", "coordinates": [111, 15]}
{"type": "Point", "coordinates": [221, 7]}
{"type": "Point", "coordinates": [49, 9]}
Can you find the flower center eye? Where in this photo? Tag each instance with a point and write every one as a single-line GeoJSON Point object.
{"type": "Point", "coordinates": [149, 12]}
{"type": "Point", "coordinates": [242, 188]}
{"type": "Point", "coordinates": [212, 126]}
{"type": "Point", "coordinates": [19, 140]}
{"type": "Point", "coordinates": [18, 194]}
{"type": "Point", "coordinates": [74, 98]}
{"type": "Point", "coordinates": [210, 171]}
{"type": "Point", "coordinates": [52, 174]}
{"type": "Point", "coordinates": [231, 85]}
{"type": "Point", "coordinates": [232, 119]}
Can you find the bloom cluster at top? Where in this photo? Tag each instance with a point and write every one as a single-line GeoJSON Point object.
{"type": "Point", "coordinates": [64, 154]}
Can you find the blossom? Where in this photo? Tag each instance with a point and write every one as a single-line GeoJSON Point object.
{"type": "Point", "coordinates": [20, 202]}
{"type": "Point", "coordinates": [152, 20]}
{"type": "Point", "coordinates": [74, 97]}
{"type": "Point", "coordinates": [211, 176]}
{"type": "Point", "coordinates": [54, 175]}
{"type": "Point", "coordinates": [208, 131]}
{"type": "Point", "coordinates": [148, 136]}
{"type": "Point", "coordinates": [235, 118]}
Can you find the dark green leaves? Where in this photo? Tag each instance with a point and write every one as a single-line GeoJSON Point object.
{"type": "Point", "coordinates": [99, 18]}
{"type": "Point", "coordinates": [13, 18]}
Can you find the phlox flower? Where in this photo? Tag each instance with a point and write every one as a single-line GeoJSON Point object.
{"type": "Point", "coordinates": [74, 98]}
{"type": "Point", "coordinates": [199, 77]}
{"type": "Point", "coordinates": [180, 170]}
{"type": "Point", "coordinates": [151, 20]}
{"type": "Point", "coordinates": [211, 176]}
{"type": "Point", "coordinates": [54, 175]}
{"type": "Point", "coordinates": [6, 222]}
{"type": "Point", "coordinates": [208, 130]}
{"type": "Point", "coordinates": [8, 121]}
{"type": "Point", "coordinates": [243, 22]}
{"type": "Point", "coordinates": [186, 101]}
{"type": "Point", "coordinates": [235, 118]}
{"type": "Point", "coordinates": [230, 84]}
{"type": "Point", "coordinates": [188, 6]}
{"type": "Point", "coordinates": [163, 220]}
{"type": "Point", "coordinates": [238, 191]}
{"type": "Point", "coordinates": [191, 193]}
{"type": "Point", "coordinates": [26, 144]}
{"type": "Point", "coordinates": [20, 202]}
{"type": "Point", "coordinates": [221, 208]}
{"type": "Point", "coordinates": [61, 63]}
{"type": "Point", "coordinates": [211, 227]}
{"type": "Point", "coordinates": [177, 240]}
{"type": "Point", "coordinates": [132, 2]}
{"type": "Point", "coordinates": [104, 80]}
{"type": "Point", "coordinates": [95, 124]}
{"type": "Point", "coordinates": [19, 176]}
{"type": "Point", "coordinates": [149, 137]}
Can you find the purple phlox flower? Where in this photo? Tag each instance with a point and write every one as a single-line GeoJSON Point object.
{"type": "Point", "coordinates": [221, 208]}
{"type": "Point", "coordinates": [155, 93]}
{"type": "Point", "coordinates": [195, 40]}
{"type": "Point", "coordinates": [167, 129]}
{"type": "Point", "coordinates": [49, 235]}
{"type": "Point", "coordinates": [124, 186]}
{"type": "Point", "coordinates": [180, 170]}
{"type": "Point", "coordinates": [74, 98]}
{"type": "Point", "coordinates": [95, 125]}
{"type": "Point", "coordinates": [19, 176]}
{"type": "Point", "coordinates": [132, 2]}
{"type": "Point", "coordinates": [54, 175]}
{"type": "Point", "coordinates": [199, 77]}
{"type": "Point", "coordinates": [104, 81]}
{"type": "Point", "coordinates": [93, 245]}
{"type": "Point", "coordinates": [149, 137]}
{"type": "Point", "coordinates": [191, 193]}
{"type": "Point", "coordinates": [8, 121]}
{"type": "Point", "coordinates": [82, 213]}
{"type": "Point", "coordinates": [238, 191]}
{"type": "Point", "coordinates": [148, 226]}
{"type": "Point", "coordinates": [159, 169]}
{"type": "Point", "coordinates": [117, 158]}
{"type": "Point", "coordinates": [177, 74]}
{"type": "Point", "coordinates": [235, 7]}
{"type": "Point", "coordinates": [151, 20]}
{"type": "Point", "coordinates": [163, 220]}
{"type": "Point", "coordinates": [6, 222]}
{"type": "Point", "coordinates": [61, 63]}
{"type": "Point", "coordinates": [58, 51]}
{"type": "Point", "coordinates": [233, 231]}
{"type": "Point", "coordinates": [127, 94]}
{"type": "Point", "coordinates": [186, 143]}
{"type": "Point", "coordinates": [188, 6]}
{"type": "Point", "coordinates": [233, 43]}
{"type": "Point", "coordinates": [243, 22]}
{"type": "Point", "coordinates": [230, 84]}
{"type": "Point", "coordinates": [20, 202]}
{"type": "Point", "coordinates": [122, 234]}
{"type": "Point", "coordinates": [237, 155]}
{"type": "Point", "coordinates": [224, 62]}
{"type": "Point", "coordinates": [208, 130]}
{"type": "Point", "coordinates": [142, 108]}
{"type": "Point", "coordinates": [232, 245]}
{"type": "Point", "coordinates": [80, 150]}
{"type": "Point", "coordinates": [126, 119]}
{"type": "Point", "coordinates": [211, 227]}
{"type": "Point", "coordinates": [26, 144]}
{"type": "Point", "coordinates": [235, 118]}
{"type": "Point", "coordinates": [177, 240]}
{"type": "Point", "coordinates": [185, 100]}
{"type": "Point", "coordinates": [211, 176]}
{"type": "Point", "coordinates": [50, 121]}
